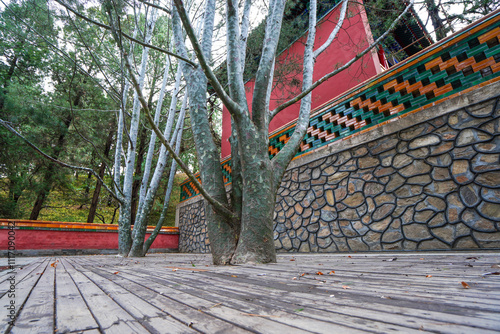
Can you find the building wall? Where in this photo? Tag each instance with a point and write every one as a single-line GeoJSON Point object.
{"type": "Point", "coordinates": [407, 160]}
{"type": "Point", "coordinates": [354, 37]}
{"type": "Point", "coordinates": [38, 237]}
{"type": "Point", "coordinates": [430, 180]}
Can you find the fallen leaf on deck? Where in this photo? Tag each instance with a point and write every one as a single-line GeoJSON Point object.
{"type": "Point", "coordinates": [331, 272]}
{"type": "Point", "coordinates": [421, 258]}
{"type": "Point", "coordinates": [234, 276]}
{"type": "Point", "coordinates": [465, 285]}
{"type": "Point", "coordinates": [298, 310]}
{"type": "Point", "coordinates": [495, 266]}
{"type": "Point", "coordinates": [292, 259]}
{"type": "Point", "coordinates": [428, 276]}
{"type": "Point", "coordinates": [302, 274]}
{"type": "Point", "coordinates": [471, 258]}
{"type": "Point", "coordinates": [345, 287]}
{"type": "Point", "coordinates": [294, 278]}
{"type": "Point", "coordinates": [492, 273]}
{"type": "Point", "coordinates": [53, 264]}
{"type": "Point", "coordinates": [349, 257]}
{"type": "Point", "coordinates": [116, 272]}
{"type": "Point", "coordinates": [385, 297]}
{"type": "Point", "coordinates": [319, 273]}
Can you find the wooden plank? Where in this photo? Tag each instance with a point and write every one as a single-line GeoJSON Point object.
{"type": "Point", "coordinates": [22, 291]}
{"type": "Point", "coordinates": [262, 324]}
{"type": "Point", "coordinates": [37, 314]}
{"type": "Point", "coordinates": [72, 314]}
{"type": "Point", "coordinates": [108, 314]}
{"type": "Point", "coordinates": [192, 317]}
{"type": "Point", "coordinates": [138, 308]}
{"type": "Point", "coordinates": [220, 285]}
{"type": "Point", "coordinates": [19, 273]}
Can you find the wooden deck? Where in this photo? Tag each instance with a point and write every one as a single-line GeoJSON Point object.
{"type": "Point", "coordinates": [184, 293]}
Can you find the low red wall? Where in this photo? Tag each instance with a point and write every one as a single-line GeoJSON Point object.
{"type": "Point", "coordinates": [36, 235]}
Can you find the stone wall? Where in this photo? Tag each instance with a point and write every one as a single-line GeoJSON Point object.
{"type": "Point", "coordinates": [428, 181]}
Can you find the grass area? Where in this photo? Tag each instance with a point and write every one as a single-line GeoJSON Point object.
{"type": "Point", "coordinates": [71, 202]}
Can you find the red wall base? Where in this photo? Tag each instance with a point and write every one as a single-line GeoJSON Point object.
{"type": "Point", "coordinates": [21, 235]}
{"type": "Point", "coordinates": [40, 239]}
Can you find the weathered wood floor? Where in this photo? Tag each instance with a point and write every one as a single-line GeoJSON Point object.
{"type": "Point", "coordinates": [331, 293]}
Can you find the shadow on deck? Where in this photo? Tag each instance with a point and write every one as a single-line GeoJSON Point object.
{"type": "Point", "coordinates": [320, 293]}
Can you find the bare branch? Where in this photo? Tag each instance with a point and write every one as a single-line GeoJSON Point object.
{"type": "Point", "coordinates": [166, 10]}
{"type": "Point", "coordinates": [345, 66]}
{"type": "Point", "coordinates": [104, 26]}
{"type": "Point", "coordinates": [222, 209]}
{"type": "Point", "coordinates": [335, 31]}
{"type": "Point", "coordinates": [232, 106]}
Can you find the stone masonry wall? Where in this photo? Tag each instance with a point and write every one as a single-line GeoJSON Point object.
{"type": "Point", "coordinates": [429, 186]}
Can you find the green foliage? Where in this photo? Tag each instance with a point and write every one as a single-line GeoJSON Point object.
{"type": "Point", "coordinates": [69, 202]}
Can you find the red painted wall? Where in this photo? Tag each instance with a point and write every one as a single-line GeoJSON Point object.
{"type": "Point", "coordinates": [47, 239]}
{"type": "Point", "coordinates": [354, 37]}
{"type": "Point", "coordinates": [35, 234]}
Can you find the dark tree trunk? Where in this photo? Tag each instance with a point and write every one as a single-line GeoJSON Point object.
{"type": "Point", "coordinates": [102, 169]}
{"type": "Point", "coordinates": [138, 171]}
{"type": "Point", "coordinates": [51, 169]}
{"type": "Point", "coordinates": [437, 22]}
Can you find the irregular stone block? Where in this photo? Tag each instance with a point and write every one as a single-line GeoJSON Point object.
{"type": "Point", "coordinates": [440, 189]}
{"type": "Point", "coordinates": [490, 147]}
{"type": "Point", "coordinates": [472, 219]}
{"type": "Point", "coordinates": [487, 240]}
{"type": "Point", "coordinates": [395, 182]}
{"type": "Point", "coordinates": [443, 160]}
{"type": "Point", "coordinates": [490, 195]}
{"type": "Point", "coordinates": [354, 200]}
{"type": "Point", "coordinates": [432, 244]}
{"type": "Point", "coordinates": [357, 245]}
{"type": "Point", "coordinates": [368, 162]}
{"type": "Point", "coordinates": [471, 136]}
{"type": "Point", "coordinates": [374, 188]}
{"type": "Point", "coordinates": [466, 243]}
{"type": "Point", "coordinates": [401, 160]}
{"type": "Point", "coordinates": [461, 120]}
{"type": "Point", "coordinates": [418, 167]}
{"type": "Point", "coordinates": [485, 163]}
{"type": "Point", "coordinates": [469, 195]}
{"type": "Point", "coordinates": [490, 210]}
{"type": "Point", "coordinates": [488, 179]}
{"type": "Point", "coordinates": [391, 236]}
{"type": "Point", "coordinates": [440, 174]}
{"type": "Point", "coordinates": [383, 211]}
{"type": "Point", "coordinates": [416, 232]}
{"type": "Point", "coordinates": [461, 172]}
{"type": "Point", "coordinates": [424, 141]}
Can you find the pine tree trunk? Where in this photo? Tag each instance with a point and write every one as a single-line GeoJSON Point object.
{"type": "Point", "coordinates": [102, 169]}
{"type": "Point", "coordinates": [49, 174]}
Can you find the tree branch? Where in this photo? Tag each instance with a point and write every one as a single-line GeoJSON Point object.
{"type": "Point", "coordinates": [345, 66]}
{"type": "Point", "coordinates": [335, 31]}
{"type": "Point", "coordinates": [222, 209]}
{"type": "Point", "coordinates": [104, 26]}
{"type": "Point", "coordinates": [60, 163]}
{"type": "Point", "coordinates": [232, 106]}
